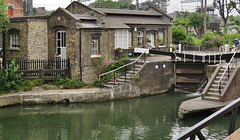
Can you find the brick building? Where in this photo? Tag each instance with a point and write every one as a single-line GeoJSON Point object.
{"type": "Point", "coordinates": [80, 32]}
{"type": "Point", "coordinates": [15, 8]}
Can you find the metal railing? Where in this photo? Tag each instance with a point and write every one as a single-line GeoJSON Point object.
{"type": "Point", "coordinates": [196, 129]}
{"type": "Point", "coordinates": [231, 65]}
{"type": "Point", "coordinates": [124, 66]}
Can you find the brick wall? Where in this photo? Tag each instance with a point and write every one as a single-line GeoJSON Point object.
{"type": "Point", "coordinates": [37, 39]}
{"type": "Point", "coordinates": [22, 53]}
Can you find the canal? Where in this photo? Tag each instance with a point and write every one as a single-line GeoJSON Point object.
{"type": "Point", "coordinates": [151, 118]}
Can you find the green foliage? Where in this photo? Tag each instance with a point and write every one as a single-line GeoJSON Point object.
{"type": "Point", "coordinates": [96, 83]}
{"type": "Point", "coordinates": [112, 4]}
{"type": "Point", "coordinates": [3, 15]}
{"type": "Point", "coordinates": [73, 84]}
{"type": "Point", "coordinates": [234, 24]}
{"type": "Point", "coordinates": [27, 85]}
{"type": "Point", "coordinates": [179, 34]}
{"type": "Point", "coordinates": [59, 81]}
{"type": "Point", "coordinates": [228, 38]}
{"type": "Point", "coordinates": [195, 20]}
{"type": "Point", "coordinates": [9, 78]}
{"type": "Point", "coordinates": [210, 40]}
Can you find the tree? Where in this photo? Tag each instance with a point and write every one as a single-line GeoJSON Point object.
{"type": "Point", "coordinates": [179, 34]}
{"type": "Point", "coordinates": [236, 5]}
{"type": "Point", "coordinates": [3, 16]}
{"type": "Point", "coordinates": [225, 7]}
{"type": "Point", "coordinates": [234, 23]}
{"type": "Point", "coordinates": [112, 4]}
{"type": "Point", "coordinates": [182, 22]}
{"type": "Point", "coordinates": [195, 20]}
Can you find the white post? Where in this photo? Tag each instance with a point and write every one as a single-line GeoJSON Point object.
{"type": "Point", "coordinates": [170, 47]}
{"type": "Point", "coordinates": [226, 48]}
{"type": "Point", "coordinates": [180, 48]}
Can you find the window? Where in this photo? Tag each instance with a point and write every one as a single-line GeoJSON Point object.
{"type": "Point", "coordinates": [140, 37]}
{"type": "Point", "coordinates": [129, 39]}
{"type": "Point", "coordinates": [160, 38]}
{"type": "Point", "coordinates": [95, 46]}
{"type": "Point", "coordinates": [150, 40]}
{"type": "Point", "coordinates": [61, 41]}
{"type": "Point", "coordinates": [121, 39]}
{"type": "Point", "coordinates": [14, 40]}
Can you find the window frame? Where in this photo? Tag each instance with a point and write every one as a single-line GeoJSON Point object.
{"type": "Point", "coordinates": [122, 38]}
{"type": "Point", "coordinates": [62, 39]}
{"type": "Point", "coordinates": [94, 46]}
{"type": "Point", "coordinates": [14, 39]}
{"type": "Point", "coordinates": [140, 37]}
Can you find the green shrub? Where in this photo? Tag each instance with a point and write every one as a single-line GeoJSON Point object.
{"type": "Point", "coordinates": [73, 84]}
{"type": "Point", "coordinates": [9, 78]}
{"type": "Point", "coordinates": [96, 83]}
{"type": "Point", "coordinates": [27, 85]}
{"type": "Point", "coordinates": [210, 40]}
{"type": "Point", "coordinates": [59, 81]}
{"type": "Point", "coordinates": [38, 82]}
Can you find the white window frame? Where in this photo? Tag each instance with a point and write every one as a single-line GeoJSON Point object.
{"type": "Point", "coordinates": [62, 40]}
{"type": "Point", "coordinates": [129, 39]}
{"type": "Point", "coordinates": [122, 39]}
{"type": "Point", "coordinates": [152, 38]}
{"type": "Point", "coordinates": [14, 41]}
{"type": "Point", "coordinates": [95, 46]}
{"type": "Point", "coordinates": [140, 37]}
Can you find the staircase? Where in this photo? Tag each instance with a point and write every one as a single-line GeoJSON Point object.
{"type": "Point", "coordinates": [213, 93]}
{"type": "Point", "coordinates": [134, 67]}
{"type": "Point", "coordinates": [130, 75]}
{"type": "Point", "coordinates": [218, 81]}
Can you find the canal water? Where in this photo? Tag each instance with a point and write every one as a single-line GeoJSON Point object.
{"type": "Point", "coordinates": [146, 118]}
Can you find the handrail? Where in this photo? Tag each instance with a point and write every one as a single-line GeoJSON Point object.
{"type": "Point", "coordinates": [220, 82]}
{"type": "Point", "coordinates": [196, 129]}
{"type": "Point", "coordinates": [120, 67]}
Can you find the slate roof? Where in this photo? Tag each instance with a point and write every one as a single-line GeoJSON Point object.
{"type": "Point", "coordinates": [127, 12]}
{"type": "Point", "coordinates": [85, 16]}
{"type": "Point", "coordinates": [122, 21]}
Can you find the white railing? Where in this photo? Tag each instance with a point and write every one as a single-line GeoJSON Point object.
{"type": "Point", "coordinates": [124, 66]}
{"type": "Point", "coordinates": [230, 66]}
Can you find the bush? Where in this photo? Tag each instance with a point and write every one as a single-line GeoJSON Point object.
{"type": "Point", "coordinates": [96, 83]}
{"type": "Point", "coordinates": [179, 34]}
{"type": "Point", "coordinates": [73, 84]}
{"type": "Point", "coordinates": [59, 81]}
{"type": "Point", "coordinates": [27, 85]}
{"type": "Point", "coordinates": [210, 40]}
{"type": "Point", "coordinates": [9, 78]}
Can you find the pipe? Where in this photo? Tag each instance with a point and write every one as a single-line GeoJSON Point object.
{"type": "Point", "coordinates": [80, 53]}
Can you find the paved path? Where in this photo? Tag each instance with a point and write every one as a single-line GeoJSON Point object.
{"type": "Point", "coordinates": [198, 105]}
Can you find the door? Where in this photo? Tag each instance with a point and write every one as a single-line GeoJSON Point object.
{"type": "Point", "coordinates": [150, 40]}
{"type": "Point", "coordinates": [61, 44]}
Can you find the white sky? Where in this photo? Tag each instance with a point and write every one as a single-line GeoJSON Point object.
{"type": "Point", "coordinates": [174, 5]}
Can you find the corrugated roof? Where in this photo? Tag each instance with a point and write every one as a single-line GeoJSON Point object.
{"type": "Point", "coordinates": [128, 12]}
{"type": "Point", "coordinates": [121, 21]}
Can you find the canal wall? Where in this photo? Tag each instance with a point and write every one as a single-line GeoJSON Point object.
{"type": "Point", "coordinates": [156, 77]}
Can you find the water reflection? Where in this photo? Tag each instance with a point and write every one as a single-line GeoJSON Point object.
{"type": "Point", "coordinates": [152, 117]}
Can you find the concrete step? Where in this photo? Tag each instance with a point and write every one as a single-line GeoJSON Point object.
{"type": "Point", "coordinates": [127, 77]}
{"type": "Point", "coordinates": [110, 86]}
{"type": "Point", "coordinates": [212, 94]}
{"type": "Point", "coordinates": [116, 83]}
{"type": "Point", "coordinates": [214, 89]}
{"type": "Point", "coordinates": [209, 98]}
{"type": "Point", "coordinates": [123, 80]}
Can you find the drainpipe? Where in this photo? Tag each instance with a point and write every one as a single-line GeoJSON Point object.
{"type": "Point", "coordinates": [3, 49]}
{"type": "Point", "coordinates": [80, 52]}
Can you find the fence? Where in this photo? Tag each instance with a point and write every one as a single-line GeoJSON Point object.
{"type": "Point", "coordinates": [45, 69]}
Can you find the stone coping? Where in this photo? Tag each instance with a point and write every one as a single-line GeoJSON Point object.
{"type": "Point", "coordinates": [71, 96]}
